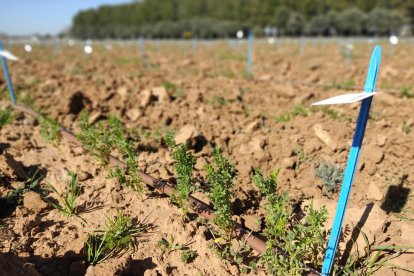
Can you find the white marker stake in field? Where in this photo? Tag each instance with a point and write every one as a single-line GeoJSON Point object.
{"type": "Point", "coordinates": [8, 55]}
{"type": "Point", "coordinates": [88, 49]}
{"type": "Point", "coordinates": [394, 40]}
{"type": "Point", "coordinates": [346, 98]}
{"type": "Point", "coordinates": [240, 34]}
{"type": "Point", "coordinates": [28, 48]}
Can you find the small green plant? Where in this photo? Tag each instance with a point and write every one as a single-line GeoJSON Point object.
{"type": "Point", "coordinates": [187, 256]}
{"type": "Point", "coordinates": [132, 176]}
{"type": "Point", "coordinates": [407, 92]}
{"type": "Point", "coordinates": [221, 177]}
{"type": "Point", "coordinates": [218, 101]}
{"type": "Point", "coordinates": [184, 163]}
{"type": "Point", "coordinates": [96, 139]}
{"type": "Point", "coordinates": [173, 88]}
{"type": "Point", "coordinates": [335, 115]}
{"type": "Point", "coordinates": [346, 85]}
{"type": "Point", "coordinates": [406, 127]}
{"type": "Point", "coordinates": [168, 245]}
{"type": "Point", "coordinates": [290, 243]}
{"type": "Point", "coordinates": [120, 233]}
{"type": "Point", "coordinates": [331, 176]}
{"type": "Point", "coordinates": [67, 200]}
{"type": "Point", "coordinates": [49, 130]}
{"type": "Point", "coordinates": [6, 116]}
{"type": "Point", "coordinates": [31, 184]}
{"type": "Point", "coordinates": [301, 156]}
{"type": "Point", "coordinates": [373, 258]}
{"type": "Point", "coordinates": [228, 73]}
{"type": "Point", "coordinates": [288, 116]}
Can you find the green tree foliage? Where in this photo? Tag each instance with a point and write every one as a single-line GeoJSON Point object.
{"type": "Point", "coordinates": [222, 18]}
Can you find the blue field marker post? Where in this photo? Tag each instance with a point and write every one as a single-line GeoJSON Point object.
{"type": "Point", "coordinates": [249, 55]}
{"type": "Point", "coordinates": [347, 53]}
{"type": "Point", "coordinates": [352, 162]}
{"type": "Point", "coordinates": [141, 44]}
{"type": "Point", "coordinates": [7, 76]}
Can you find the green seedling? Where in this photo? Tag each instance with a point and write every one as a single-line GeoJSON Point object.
{"type": "Point", "coordinates": [406, 127]}
{"type": "Point", "coordinates": [335, 115]}
{"type": "Point", "coordinates": [184, 163]}
{"type": "Point", "coordinates": [301, 156]}
{"type": "Point", "coordinates": [49, 130]}
{"type": "Point", "coordinates": [221, 177]}
{"type": "Point", "coordinates": [346, 85]}
{"type": "Point", "coordinates": [169, 245]}
{"type": "Point", "coordinates": [298, 110]}
{"type": "Point", "coordinates": [96, 139]}
{"type": "Point", "coordinates": [218, 101]}
{"type": "Point", "coordinates": [228, 73]}
{"type": "Point", "coordinates": [407, 92]}
{"type": "Point", "coordinates": [67, 200]}
{"type": "Point", "coordinates": [290, 243]}
{"type": "Point", "coordinates": [373, 259]}
{"type": "Point", "coordinates": [119, 234]}
{"type": "Point", "coordinates": [131, 177]}
{"type": "Point", "coordinates": [187, 256]}
{"type": "Point", "coordinates": [16, 196]}
{"type": "Point", "coordinates": [331, 176]}
{"type": "Point", "coordinates": [6, 116]}
{"type": "Point", "coordinates": [176, 91]}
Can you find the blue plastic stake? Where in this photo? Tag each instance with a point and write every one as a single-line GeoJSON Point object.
{"type": "Point", "coordinates": [7, 76]}
{"type": "Point", "coordinates": [141, 43]}
{"type": "Point", "coordinates": [194, 43]}
{"type": "Point", "coordinates": [347, 54]}
{"type": "Point", "coordinates": [249, 55]}
{"type": "Point", "coordinates": [352, 162]}
{"type": "Point", "coordinates": [142, 47]}
{"type": "Point", "coordinates": [302, 46]}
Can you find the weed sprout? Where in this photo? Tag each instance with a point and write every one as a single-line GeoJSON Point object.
{"type": "Point", "coordinates": [184, 163]}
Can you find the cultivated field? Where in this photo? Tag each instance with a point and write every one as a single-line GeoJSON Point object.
{"type": "Point", "coordinates": [200, 90]}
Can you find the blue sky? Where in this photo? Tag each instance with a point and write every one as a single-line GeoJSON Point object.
{"type": "Point", "coordinates": [22, 17]}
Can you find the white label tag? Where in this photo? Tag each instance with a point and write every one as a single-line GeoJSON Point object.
{"type": "Point", "coordinates": [346, 98]}
{"type": "Point", "coordinates": [8, 55]}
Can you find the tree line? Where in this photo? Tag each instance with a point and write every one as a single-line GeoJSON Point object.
{"type": "Point", "coordinates": [222, 18]}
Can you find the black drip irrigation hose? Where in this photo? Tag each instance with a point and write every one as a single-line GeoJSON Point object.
{"type": "Point", "coordinates": [199, 207]}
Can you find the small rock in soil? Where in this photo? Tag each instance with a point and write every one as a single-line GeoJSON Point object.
{"type": "Point", "coordinates": [252, 222]}
{"type": "Point", "coordinates": [134, 114]}
{"type": "Point", "coordinates": [122, 91]}
{"type": "Point", "coordinates": [145, 96]}
{"type": "Point", "coordinates": [324, 136]}
{"type": "Point", "coordinates": [32, 201]}
{"type": "Point", "coordinates": [370, 167]}
{"type": "Point", "coordinates": [252, 126]}
{"type": "Point", "coordinates": [381, 140]}
{"type": "Point", "coordinates": [374, 154]}
{"type": "Point", "coordinates": [289, 163]}
{"type": "Point", "coordinates": [161, 94]}
{"type": "Point", "coordinates": [194, 96]}
{"type": "Point", "coordinates": [94, 117]}
{"type": "Point", "coordinates": [82, 176]}
{"type": "Point", "coordinates": [374, 192]}
{"type": "Point", "coordinates": [185, 134]}
{"type": "Point", "coordinates": [311, 145]}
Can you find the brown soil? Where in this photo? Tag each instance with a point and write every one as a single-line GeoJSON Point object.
{"type": "Point", "coordinates": [214, 104]}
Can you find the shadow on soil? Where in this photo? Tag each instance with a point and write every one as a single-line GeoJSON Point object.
{"type": "Point", "coordinates": [355, 233]}
{"type": "Point", "coordinates": [396, 197]}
